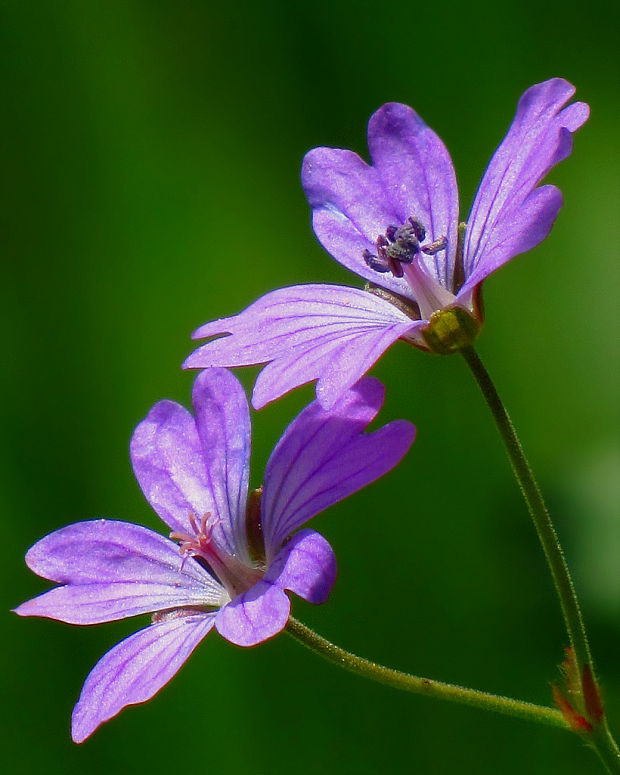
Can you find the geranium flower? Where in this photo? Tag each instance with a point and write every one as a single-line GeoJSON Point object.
{"type": "Point", "coordinates": [395, 223]}
{"type": "Point", "coordinates": [230, 559]}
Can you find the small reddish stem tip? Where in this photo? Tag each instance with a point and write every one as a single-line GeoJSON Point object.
{"type": "Point", "coordinates": [575, 721]}
{"type": "Point", "coordinates": [592, 696]}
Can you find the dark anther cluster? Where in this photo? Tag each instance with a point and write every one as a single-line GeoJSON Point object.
{"type": "Point", "coordinates": [399, 245]}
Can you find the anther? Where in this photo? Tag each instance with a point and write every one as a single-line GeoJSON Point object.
{"type": "Point", "coordinates": [418, 228]}
{"type": "Point", "coordinates": [390, 233]}
{"type": "Point", "coordinates": [254, 526]}
{"type": "Point", "coordinates": [400, 245]}
{"type": "Point", "coordinates": [375, 263]}
{"type": "Point", "coordinates": [435, 247]}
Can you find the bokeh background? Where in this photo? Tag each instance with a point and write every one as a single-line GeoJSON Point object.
{"type": "Point", "coordinates": [151, 165]}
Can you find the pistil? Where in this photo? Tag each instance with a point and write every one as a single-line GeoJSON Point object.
{"type": "Point", "coordinates": [429, 294]}
{"type": "Point", "coordinates": [234, 575]}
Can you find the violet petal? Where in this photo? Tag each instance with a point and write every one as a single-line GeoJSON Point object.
{"type": "Point", "coordinates": [168, 463]}
{"type": "Point", "coordinates": [108, 601]}
{"type": "Point", "coordinates": [136, 669]}
{"type": "Point", "coordinates": [223, 423]}
{"type": "Point", "coordinates": [323, 456]}
{"type": "Point", "coordinates": [110, 550]}
{"type": "Point", "coordinates": [255, 616]}
{"type": "Point", "coordinates": [539, 137]}
{"type": "Point", "coordinates": [328, 332]}
{"type": "Point", "coordinates": [349, 210]}
{"type": "Point", "coordinates": [530, 222]}
{"type": "Point", "coordinates": [306, 566]}
{"type": "Point", "coordinates": [114, 570]}
{"type": "Point", "coordinates": [418, 179]}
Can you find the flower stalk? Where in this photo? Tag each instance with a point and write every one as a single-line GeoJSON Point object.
{"type": "Point", "coordinates": [416, 685]}
{"type": "Point", "coordinates": [538, 511]}
{"type": "Point", "coordinates": [598, 735]}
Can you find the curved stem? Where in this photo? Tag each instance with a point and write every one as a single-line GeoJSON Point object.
{"type": "Point", "coordinates": [538, 511]}
{"type": "Point", "coordinates": [600, 737]}
{"type": "Point", "coordinates": [426, 686]}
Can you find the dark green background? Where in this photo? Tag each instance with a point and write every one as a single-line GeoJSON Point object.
{"type": "Point", "coordinates": [151, 183]}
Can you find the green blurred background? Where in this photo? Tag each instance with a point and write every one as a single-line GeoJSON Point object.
{"type": "Point", "coordinates": [151, 183]}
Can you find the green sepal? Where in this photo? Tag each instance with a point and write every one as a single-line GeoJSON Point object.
{"type": "Point", "coordinates": [450, 330]}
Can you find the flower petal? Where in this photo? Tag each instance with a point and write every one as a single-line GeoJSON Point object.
{"type": "Point", "coordinates": [255, 616]}
{"type": "Point", "coordinates": [109, 550]}
{"type": "Point", "coordinates": [106, 602]}
{"type": "Point", "coordinates": [136, 669]}
{"type": "Point", "coordinates": [113, 570]}
{"type": "Point", "coordinates": [530, 223]}
{"type": "Point", "coordinates": [306, 566]}
{"type": "Point", "coordinates": [223, 423]}
{"type": "Point", "coordinates": [328, 332]}
{"type": "Point", "coordinates": [539, 137]}
{"type": "Point", "coordinates": [350, 210]}
{"type": "Point", "coordinates": [168, 462]}
{"type": "Point", "coordinates": [323, 457]}
{"type": "Point", "coordinates": [418, 178]}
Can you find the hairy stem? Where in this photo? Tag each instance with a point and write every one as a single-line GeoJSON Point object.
{"type": "Point", "coordinates": [426, 686]}
{"type": "Point", "coordinates": [600, 738]}
{"type": "Point", "coordinates": [606, 748]}
{"type": "Point", "coordinates": [538, 511]}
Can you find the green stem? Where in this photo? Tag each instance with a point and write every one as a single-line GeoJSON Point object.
{"type": "Point", "coordinates": [600, 738]}
{"type": "Point", "coordinates": [411, 683]}
{"type": "Point", "coordinates": [606, 748]}
{"type": "Point", "coordinates": [538, 511]}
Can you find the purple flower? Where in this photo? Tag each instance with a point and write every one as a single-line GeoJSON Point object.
{"type": "Point", "coordinates": [235, 558]}
{"type": "Point", "coordinates": [396, 223]}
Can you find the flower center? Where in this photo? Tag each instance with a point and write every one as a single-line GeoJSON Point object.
{"type": "Point", "coordinates": [233, 574]}
{"type": "Point", "coordinates": [399, 246]}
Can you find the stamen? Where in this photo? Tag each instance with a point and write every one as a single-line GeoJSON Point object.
{"type": "Point", "coordinates": [458, 277]}
{"type": "Point", "coordinates": [418, 228]}
{"type": "Point", "coordinates": [375, 263]}
{"type": "Point", "coordinates": [435, 247]}
{"type": "Point", "coordinates": [408, 306]}
{"type": "Point", "coordinates": [399, 246]}
{"type": "Point", "coordinates": [390, 233]}
{"type": "Point", "coordinates": [254, 526]}
{"type": "Point", "coordinates": [227, 568]}
{"type": "Point", "coordinates": [389, 259]}
{"type": "Point", "coordinates": [180, 613]}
